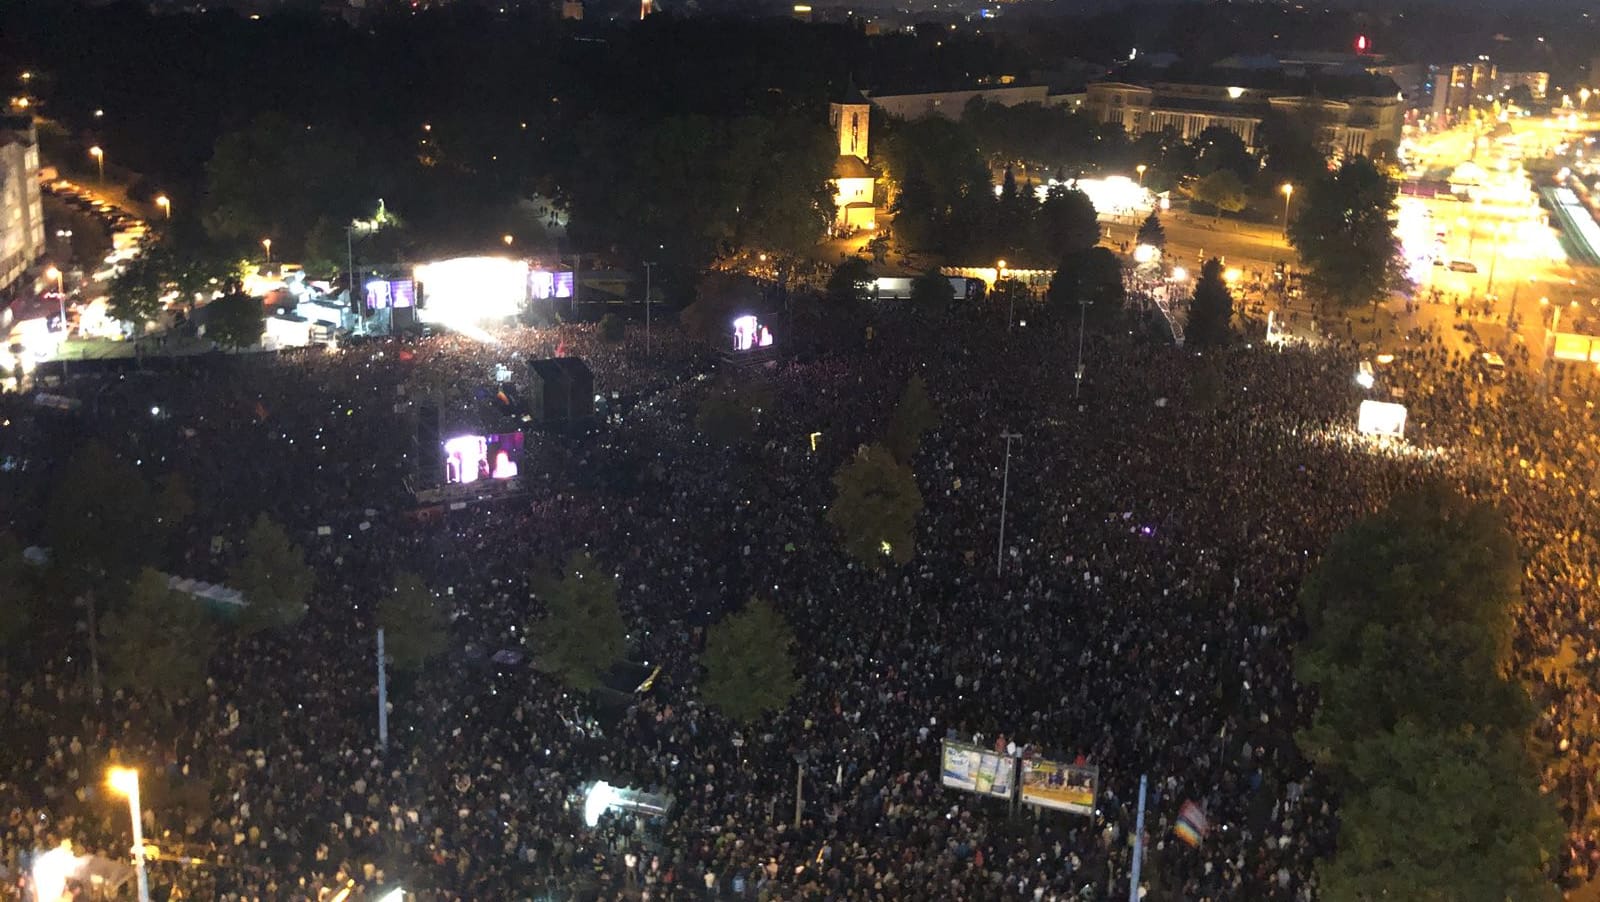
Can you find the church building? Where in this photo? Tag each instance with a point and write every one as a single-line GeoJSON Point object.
{"type": "Point", "coordinates": [853, 179]}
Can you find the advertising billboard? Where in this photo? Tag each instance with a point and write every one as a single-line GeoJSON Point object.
{"type": "Point", "coordinates": [1056, 784]}
{"type": "Point", "coordinates": [973, 769]}
{"type": "Point", "coordinates": [1381, 418]}
{"type": "Point", "coordinates": [1575, 347]}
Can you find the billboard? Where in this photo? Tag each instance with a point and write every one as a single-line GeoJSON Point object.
{"type": "Point", "coordinates": [1381, 418]}
{"type": "Point", "coordinates": [1575, 347]}
{"type": "Point", "coordinates": [1056, 784]}
{"type": "Point", "coordinates": [973, 769]}
{"type": "Point", "coordinates": [385, 293]}
{"type": "Point", "coordinates": [469, 458]}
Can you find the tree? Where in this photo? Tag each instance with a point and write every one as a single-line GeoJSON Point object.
{"type": "Point", "coordinates": [875, 507]}
{"type": "Point", "coordinates": [415, 626]}
{"type": "Point", "coordinates": [1419, 724]}
{"type": "Point", "coordinates": [236, 321]}
{"type": "Point", "coordinates": [1068, 222]}
{"type": "Point", "coordinates": [931, 291]}
{"type": "Point", "coordinates": [100, 524]}
{"type": "Point", "coordinates": [134, 294]}
{"type": "Point", "coordinates": [1441, 817]}
{"type": "Point", "coordinates": [1211, 310]}
{"type": "Point", "coordinates": [1152, 232]}
{"type": "Point", "coordinates": [913, 417]}
{"type": "Point", "coordinates": [159, 642]}
{"type": "Point", "coordinates": [1218, 147]}
{"type": "Point", "coordinates": [18, 595]}
{"type": "Point", "coordinates": [749, 663]}
{"type": "Point", "coordinates": [1344, 234]}
{"type": "Point", "coordinates": [582, 633]}
{"type": "Point", "coordinates": [272, 576]}
{"type": "Point", "coordinates": [1093, 275]}
{"type": "Point", "coordinates": [848, 284]}
{"type": "Point", "coordinates": [1222, 191]}
{"type": "Point", "coordinates": [727, 415]}
{"type": "Point", "coordinates": [718, 299]}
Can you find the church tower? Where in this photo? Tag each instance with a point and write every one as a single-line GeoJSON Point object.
{"type": "Point", "coordinates": [850, 118]}
{"type": "Point", "coordinates": [853, 179]}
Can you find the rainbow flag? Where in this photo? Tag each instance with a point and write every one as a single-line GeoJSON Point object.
{"type": "Point", "coordinates": [1192, 824]}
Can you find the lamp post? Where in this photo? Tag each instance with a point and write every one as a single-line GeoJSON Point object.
{"type": "Point", "coordinates": [1005, 490]}
{"type": "Point", "coordinates": [800, 759]}
{"type": "Point", "coordinates": [126, 781]}
{"type": "Point", "coordinates": [267, 243]}
{"type": "Point", "coordinates": [1077, 374]}
{"type": "Point", "coordinates": [165, 203]}
{"type": "Point", "coordinates": [99, 155]}
{"type": "Point", "coordinates": [55, 273]}
{"type": "Point", "coordinates": [1499, 232]}
{"type": "Point", "coordinates": [1140, 169]}
{"type": "Point", "coordinates": [648, 266]}
{"type": "Point", "coordinates": [1288, 192]}
{"type": "Point", "coordinates": [1011, 308]}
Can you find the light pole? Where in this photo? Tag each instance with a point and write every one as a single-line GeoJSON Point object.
{"type": "Point", "coordinates": [1140, 169]}
{"type": "Point", "coordinates": [1288, 192]}
{"type": "Point", "coordinates": [267, 243]}
{"type": "Point", "coordinates": [165, 203]}
{"type": "Point", "coordinates": [126, 781]}
{"type": "Point", "coordinates": [99, 155]}
{"type": "Point", "coordinates": [1499, 230]}
{"type": "Point", "coordinates": [55, 273]}
{"type": "Point", "coordinates": [1077, 374]}
{"type": "Point", "coordinates": [800, 758]}
{"type": "Point", "coordinates": [1005, 490]}
{"type": "Point", "coordinates": [1011, 308]}
{"type": "Point", "coordinates": [647, 268]}
{"type": "Point", "coordinates": [383, 696]}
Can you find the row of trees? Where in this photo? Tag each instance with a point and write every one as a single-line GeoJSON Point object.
{"type": "Point", "coordinates": [137, 293]}
{"type": "Point", "coordinates": [1420, 724]}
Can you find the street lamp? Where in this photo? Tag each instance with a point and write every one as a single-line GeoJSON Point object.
{"type": "Point", "coordinates": [507, 239]}
{"type": "Point", "coordinates": [1011, 302]}
{"type": "Point", "coordinates": [125, 780]}
{"type": "Point", "coordinates": [99, 160]}
{"type": "Point", "coordinates": [1140, 169]}
{"type": "Point", "coordinates": [1288, 192]}
{"type": "Point", "coordinates": [165, 203]}
{"type": "Point", "coordinates": [267, 243]}
{"type": "Point", "coordinates": [1005, 491]}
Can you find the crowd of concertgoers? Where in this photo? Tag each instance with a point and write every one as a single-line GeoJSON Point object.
{"type": "Point", "coordinates": [1143, 621]}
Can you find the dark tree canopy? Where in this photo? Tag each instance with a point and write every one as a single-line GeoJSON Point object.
{"type": "Point", "coordinates": [237, 321]}
{"type": "Point", "coordinates": [273, 576]}
{"type": "Point", "coordinates": [1211, 310]}
{"type": "Point", "coordinates": [1093, 276]}
{"type": "Point", "coordinates": [749, 663]}
{"type": "Point", "coordinates": [415, 625]}
{"type": "Point", "coordinates": [875, 507]}
{"type": "Point", "coordinates": [1344, 233]}
{"type": "Point", "coordinates": [159, 642]}
{"type": "Point", "coordinates": [582, 633]}
{"type": "Point", "coordinates": [1419, 723]}
{"type": "Point", "coordinates": [913, 417]}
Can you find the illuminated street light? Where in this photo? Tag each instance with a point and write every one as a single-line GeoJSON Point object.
{"type": "Point", "coordinates": [1140, 169]}
{"type": "Point", "coordinates": [99, 155]}
{"type": "Point", "coordinates": [1288, 192]}
{"type": "Point", "coordinates": [267, 243]}
{"type": "Point", "coordinates": [507, 239]}
{"type": "Point", "coordinates": [125, 780]}
{"type": "Point", "coordinates": [165, 203]}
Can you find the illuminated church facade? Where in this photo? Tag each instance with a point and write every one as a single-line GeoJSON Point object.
{"type": "Point", "coordinates": [853, 179]}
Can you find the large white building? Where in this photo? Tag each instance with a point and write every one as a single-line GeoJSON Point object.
{"type": "Point", "coordinates": [21, 211]}
{"type": "Point", "coordinates": [1354, 111]}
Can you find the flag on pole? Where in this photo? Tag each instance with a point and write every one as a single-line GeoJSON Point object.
{"type": "Point", "coordinates": [1192, 824]}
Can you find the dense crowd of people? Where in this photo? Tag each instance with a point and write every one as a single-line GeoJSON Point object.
{"type": "Point", "coordinates": [1142, 620]}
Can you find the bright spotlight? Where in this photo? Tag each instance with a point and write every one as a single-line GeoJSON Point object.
{"type": "Point", "coordinates": [601, 797]}
{"type": "Point", "coordinates": [1364, 379]}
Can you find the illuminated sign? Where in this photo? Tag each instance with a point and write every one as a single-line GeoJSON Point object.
{"type": "Point", "coordinates": [1381, 418]}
